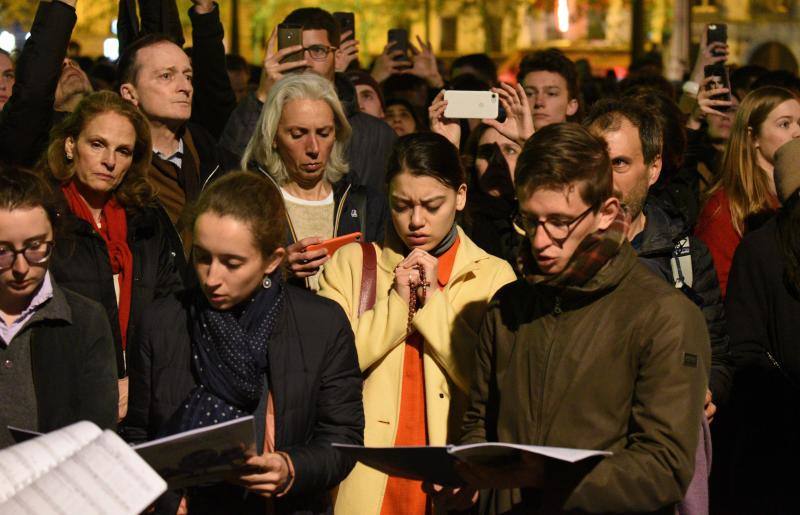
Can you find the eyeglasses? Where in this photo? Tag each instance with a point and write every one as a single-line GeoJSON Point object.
{"type": "Point", "coordinates": [319, 52]}
{"type": "Point", "coordinates": [557, 230]}
{"type": "Point", "coordinates": [35, 253]}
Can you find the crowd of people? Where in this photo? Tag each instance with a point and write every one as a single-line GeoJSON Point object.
{"type": "Point", "coordinates": [608, 265]}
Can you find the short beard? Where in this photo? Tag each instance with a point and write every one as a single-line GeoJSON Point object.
{"type": "Point", "coordinates": [636, 199]}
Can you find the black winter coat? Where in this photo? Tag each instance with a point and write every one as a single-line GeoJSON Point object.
{"type": "Point", "coordinates": [80, 262]}
{"type": "Point", "coordinates": [314, 379]}
{"type": "Point", "coordinates": [655, 245]}
{"type": "Point", "coordinates": [28, 116]}
{"type": "Point", "coordinates": [764, 324]}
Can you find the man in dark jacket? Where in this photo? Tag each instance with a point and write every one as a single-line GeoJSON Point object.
{"type": "Point", "coordinates": [372, 138]}
{"type": "Point", "coordinates": [590, 350]}
{"type": "Point", "coordinates": [657, 232]}
{"type": "Point", "coordinates": [175, 93]}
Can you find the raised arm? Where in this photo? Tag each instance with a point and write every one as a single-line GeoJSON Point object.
{"type": "Point", "coordinates": [27, 117]}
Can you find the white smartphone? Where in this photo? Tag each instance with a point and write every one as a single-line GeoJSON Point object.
{"type": "Point", "coordinates": [471, 104]}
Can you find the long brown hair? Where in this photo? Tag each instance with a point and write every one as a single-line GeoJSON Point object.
{"type": "Point", "coordinates": [745, 183]}
{"type": "Point", "coordinates": [134, 190]}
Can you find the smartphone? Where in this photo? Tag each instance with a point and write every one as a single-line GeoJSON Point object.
{"type": "Point", "coordinates": [346, 21]}
{"type": "Point", "coordinates": [400, 38]}
{"type": "Point", "coordinates": [290, 34]}
{"type": "Point", "coordinates": [716, 32]}
{"type": "Point", "coordinates": [334, 244]}
{"type": "Point", "coordinates": [720, 71]}
{"type": "Point", "coordinates": [471, 104]}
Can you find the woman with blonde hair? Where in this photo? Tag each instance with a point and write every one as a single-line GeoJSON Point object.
{"type": "Point", "coordinates": [115, 247]}
{"type": "Point", "coordinates": [416, 302]}
{"type": "Point", "coordinates": [766, 119]}
{"type": "Point", "coordinates": [300, 143]}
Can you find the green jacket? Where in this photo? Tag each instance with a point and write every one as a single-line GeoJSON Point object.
{"type": "Point", "coordinates": [620, 364]}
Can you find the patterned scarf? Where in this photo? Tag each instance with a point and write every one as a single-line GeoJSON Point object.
{"type": "Point", "coordinates": [592, 254]}
{"type": "Point", "coordinates": [229, 350]}
{"type": "Point", "coordinates": [114, 231]}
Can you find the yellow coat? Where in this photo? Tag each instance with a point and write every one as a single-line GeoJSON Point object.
{"type": "Point", "coordinates": [449, 324]}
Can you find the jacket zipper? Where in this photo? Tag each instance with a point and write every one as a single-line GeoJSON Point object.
{"type": "Point", "coordinates": [556, 314]}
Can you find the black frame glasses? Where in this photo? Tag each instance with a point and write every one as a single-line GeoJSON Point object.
{"type": "Point", "coordinates": [529, 226]}
{"type": "Point", "coordinates": [32, 252]}
{"type": "Point", "coordinates": [321, 51]}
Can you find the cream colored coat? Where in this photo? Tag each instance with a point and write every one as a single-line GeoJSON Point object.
{"type": "Point", "coordinates": [449, 324]}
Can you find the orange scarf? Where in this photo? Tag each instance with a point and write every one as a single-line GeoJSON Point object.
{"type": "Point", "coordinates": [114, 231]}
{"type": "Point", "coordinates": [405, 496]}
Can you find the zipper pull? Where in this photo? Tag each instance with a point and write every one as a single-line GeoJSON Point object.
{"type": "Point", "coordinates": [557, 308]}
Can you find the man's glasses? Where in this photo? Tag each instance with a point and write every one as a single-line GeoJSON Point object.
{"type": "Point", "coordinates": [319, 52]}
{"type": "Point", "coordinates": [557, 230]}
{"type": "Point", "coordinates": [35, 253]}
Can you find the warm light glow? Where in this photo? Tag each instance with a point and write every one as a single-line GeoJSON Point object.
{"type": "Point", "coordinates": [111, 48]}
{"type": "Point", "coordinates": [562, 15]}
{"type": "Point", "coordinates": [7, 41]}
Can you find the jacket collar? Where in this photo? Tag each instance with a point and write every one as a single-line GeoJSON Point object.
{"type": "Point", "coordinates": [467, 256]}
{"type": "Point", "coordinates": [57, 308]}
{"type": "Point", "coordinates": [661, 230]}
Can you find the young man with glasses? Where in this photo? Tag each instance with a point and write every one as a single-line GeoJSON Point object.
{"type": "Point", "coordinates": [57, 359]}
{"type": "Point", "coordinates": [371, 139]}
{"type": "Point", "coordinates": [589, 350]}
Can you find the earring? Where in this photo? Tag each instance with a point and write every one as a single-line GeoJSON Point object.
{"type": "Point", "coordinates": [266, 283]}
{"type": "Point", "coordinates": [69, 157]}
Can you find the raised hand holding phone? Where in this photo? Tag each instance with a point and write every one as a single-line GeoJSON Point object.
{"type": "Point", "coordinates": [275, 65]}
{"type": "Point", "coordinates": [518, 123]}
{"type": "Point", "coordinates": [303, 262]}
{"type": "Point", "coordinates": [447, 127]}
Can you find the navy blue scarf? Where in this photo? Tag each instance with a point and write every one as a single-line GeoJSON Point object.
{"type": "Point", "coordinates": [229, 356]}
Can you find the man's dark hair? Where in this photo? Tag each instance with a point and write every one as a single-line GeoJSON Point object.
{"type": "Point", "coordinates": [481, 63]}
{"type": "Point", "coordinates": [607, 116]}
{"type": "Point", "coordinates": [314, 18]}
{"type": "Point", "coordinates": [561, 155]}
{"type": "Point", "coordinates": [236, 63]}
{"type": "Point", "coordinates": [673, 123]}
{"type": "Point", "coordinates": [551, 60]}
{"type": "Point", "coordinates": [780, 78]}
{"type": "Point", "coordinates": [127, 66]}
{"type": "Point", "coordinates": [742, 79]}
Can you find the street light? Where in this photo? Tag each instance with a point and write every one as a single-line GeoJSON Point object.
{"type": "Point", "coordinates": [562, 15]}
{"type": "Point", "coordinates": [7, 41]}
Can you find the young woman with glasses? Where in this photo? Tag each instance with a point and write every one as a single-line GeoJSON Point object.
{"type": "Point", "coordinates": [56, 351]}
{"type": "Point", "coordinates": [416, 342]}
{"type": "Point", "coordinates": [114, 247]}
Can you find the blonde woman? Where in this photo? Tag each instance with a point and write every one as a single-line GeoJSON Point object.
{"type": "Point", "coordinates": [300, 144]}
{"type": "Point", "coordinates": [416, 342]}
{"type": "Point", "coordinates": [766, 119]}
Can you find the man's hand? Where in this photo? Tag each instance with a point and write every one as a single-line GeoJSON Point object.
{"type": "Point", "coordinates": [449, 498]}
{"type": "Point", "coordinates": [268, 475]}
{"type": "Point", "coordinates": [274, 70]}
{"type": "Point", "coordinates": [518, 125]}
{"type": "Point", "coordinates": [347, 52]}
{"type": "Point", "coordinates": [203, 6]}
{"type": "Point", "coordinates": [386, 65]}
{"type": "Point", "coordinates": [710, 407]}
{"type": "Point", "coordinates": [424, 64]}
{"type": "Point", "coordinates": [446, 127]}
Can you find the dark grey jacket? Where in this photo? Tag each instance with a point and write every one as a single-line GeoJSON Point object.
{"type": "Point", "coordinates": [655, 245]}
